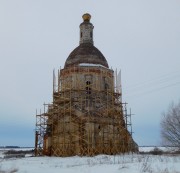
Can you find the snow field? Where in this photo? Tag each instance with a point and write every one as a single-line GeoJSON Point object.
{"type": "Point", "coordinates": [134, 163]}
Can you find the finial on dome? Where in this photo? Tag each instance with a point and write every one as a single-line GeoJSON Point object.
{"type": "Point", "coordinates": [86, 17]}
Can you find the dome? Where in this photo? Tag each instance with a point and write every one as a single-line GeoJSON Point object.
{"type": "Point", "coordinates": [85, 53]}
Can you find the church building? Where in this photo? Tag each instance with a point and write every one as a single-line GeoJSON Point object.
{"type": "Point", "coordinates": [86, 116]}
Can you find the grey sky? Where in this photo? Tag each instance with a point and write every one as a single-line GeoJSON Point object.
{"type": "Point", "coordinates": [142, 38]}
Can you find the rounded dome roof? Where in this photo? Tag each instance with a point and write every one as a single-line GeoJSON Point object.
{"type": "Point", "coordinates": [85, 53]}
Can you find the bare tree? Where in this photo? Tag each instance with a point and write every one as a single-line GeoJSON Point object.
{"type": "Point", "coordinates": [170, 126]}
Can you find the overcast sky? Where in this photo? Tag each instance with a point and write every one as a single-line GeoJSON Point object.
{"type": "Point", "coordinates": [142, 38]}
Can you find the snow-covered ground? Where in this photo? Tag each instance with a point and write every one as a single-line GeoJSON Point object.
{"type": "Point", "coordinates": [129, 163]}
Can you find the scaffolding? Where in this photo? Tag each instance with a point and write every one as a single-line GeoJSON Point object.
{"type": "Point", "coordinates": [85, 118]}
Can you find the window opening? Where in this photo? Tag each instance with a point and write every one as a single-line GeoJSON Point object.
{"type": "Point", "coordinates": [106, 86]}
{"type": "Point", "coordinates": [88, 82]}
{"type": "Point", "coordinates": [91, 34]}
{"type": "Point", "coordinates": [88, 88]}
